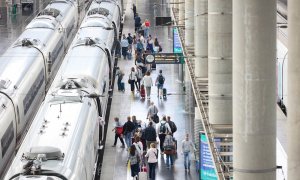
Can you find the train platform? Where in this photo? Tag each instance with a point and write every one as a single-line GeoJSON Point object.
{"type": "Point", "coordinates": [126, 104]}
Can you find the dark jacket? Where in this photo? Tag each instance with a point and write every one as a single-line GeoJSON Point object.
{"type": "Point", "coordinates": [137, 21]}
{"type": "Point", "coordinates": [150, 133]}
{"type": "Point", "coordinates": [128, 127]}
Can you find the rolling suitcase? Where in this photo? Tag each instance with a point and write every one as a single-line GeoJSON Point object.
{"type": "Point", "coordinates": [122, 86]}
{"type": "Point", "coordinates": [142, 92]}
{"type": "Point", "coordinates": [143, 173]}
{"type": "Point", "coordinates": [164, 93]}
{"type": "Point", "coordinates": [153, 66]}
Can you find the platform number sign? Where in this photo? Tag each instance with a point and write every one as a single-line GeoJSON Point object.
{"type": "Point", "coordinates": [207, 169]}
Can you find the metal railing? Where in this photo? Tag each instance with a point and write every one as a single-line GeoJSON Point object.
{"type": "Point", "coordinates": [222, 169]}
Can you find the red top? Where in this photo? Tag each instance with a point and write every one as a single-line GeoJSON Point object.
{"type": "Point", "coordinates": [147, 23]}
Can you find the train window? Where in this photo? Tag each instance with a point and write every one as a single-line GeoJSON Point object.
{"type": "Point", "coordinates": [18, 114]}
{"type": "Point", "coordinates": [101, 11]}
{"type": "Point", "coordinates": [103, 87]}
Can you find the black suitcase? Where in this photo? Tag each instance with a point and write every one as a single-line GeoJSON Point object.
{"type": "Point", "coordinates": [122, 86]}
{"type": "Point", "coordinates": [164, 93]}
{"type": "Point", "coordinates": [153, 66]}
{"type": "Point", "coordinates": [141, 31]}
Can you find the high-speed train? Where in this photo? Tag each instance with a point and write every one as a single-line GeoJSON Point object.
{"type": "Point", "coordinates": [63, 140]}
{"type": "Point", "coordinates": [29, 64]}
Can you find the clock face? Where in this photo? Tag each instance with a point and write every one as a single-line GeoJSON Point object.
{"type": "Point", "coordinates": [150, 58]}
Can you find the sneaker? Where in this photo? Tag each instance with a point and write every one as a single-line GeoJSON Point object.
{"type": "Point", "coordinates": [123, 146]}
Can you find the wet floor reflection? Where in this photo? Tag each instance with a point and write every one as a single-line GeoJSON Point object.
{"type": "Point", "coordinates": [14, 17]}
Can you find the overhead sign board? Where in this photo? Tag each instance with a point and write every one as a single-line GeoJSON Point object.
{"type": "Point", "coordinates": [163, 58]}
{"type": "Point", "coordinates": [163, 21]}
{"type": "Point", "coordinates": [207, 168]}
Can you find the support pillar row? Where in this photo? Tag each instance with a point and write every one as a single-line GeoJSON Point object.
{"type": "Point", "coordinates": [254, 90]}
{"type": "Point", "coordinates": [293, 90]}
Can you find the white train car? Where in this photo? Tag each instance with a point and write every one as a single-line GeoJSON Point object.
{"type": "Point", "coordinates": [28, 65]}
{"type": "Point", "coordinates": [62, 142]}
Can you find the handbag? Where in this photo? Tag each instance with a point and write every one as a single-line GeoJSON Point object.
{"type": "Point", "coordinates": [129, 81]}
{"type": "Point", "coordinates": [160, 48]}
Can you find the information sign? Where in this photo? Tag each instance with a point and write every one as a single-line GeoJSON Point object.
{"type": "Point", "coordinates": [177, 48]}
{"type": "Point", "coordinates": [207, 169]}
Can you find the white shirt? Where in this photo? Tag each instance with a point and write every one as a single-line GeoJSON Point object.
{"type": "Point", "coordinates": [187, 146]}
{"type": "Point", "coordinates": [139, 147]}
{"type": "Point", "coordinates": [152, 153]}
{"type": "Point", "coordinates": [132, 76]}
{"type": "Point", "coordinates": [147, 81]}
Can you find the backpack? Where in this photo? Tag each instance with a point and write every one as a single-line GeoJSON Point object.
{"type": "Point", "coordinates": [161, 79]}
{"type": "Point", "coordinates": [130, 39]}
{"type": "Point", "coordinates": [163, 128]}
{"type": "Point", "coordinates": [172, 126]}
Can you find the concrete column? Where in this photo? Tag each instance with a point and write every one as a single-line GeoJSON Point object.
{"type": "Point", "coordinates": [201, 45]}
{"type": "Point", "coordinates": [189, 97]}
{"type": "Point", "coordinates": [220, 61]}
{"type": "Point", "coordinates": [181, 12]}
{"type": "Point", "coordinates": [254, 87]}
{"type": "Point", "coordinates": [176, 5]}
{"type": "Point", "coordinates": [293, 90]}
{"type": "Point", "coordinates": [189, 23]}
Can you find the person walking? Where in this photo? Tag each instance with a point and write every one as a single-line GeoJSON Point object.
{"type": "Point", "coordinates": [152, 155]}
{"type": "Point", "coordinates": [134, 10]}
{"type": "Point", "coordinates": [147, 82]}
{"type": "Point", "coordinates": [150, 44]}
{"type": "Point", "coordinates": [130, 42]}
{"type": "Point", "coordinates": [124, 46]}
{"type": "Point", "coordinates": [160, 80]}
{"type": "Point", "coordinates": [120, 75]}
{"type": "Point", "coordinates": [134, 159]}
{"type": "Point", "coordinates": [162, 129]}
{"type": "Point", "coordinates": [149, 134]}
{"type": "Point", "coordinates": [118, 132]}
{"type": "Point", "coordinates": [139, 77]}
{"type": "Point", "coordinates": [132, 79]}
{"type": "Point", "coordinates": [152, 113]}
{"type": "Point", "coordinates": [172, 125]}
{"type": "Point", "coordinates": [128, 129]}
{"type": "Point", "coordinates": [169, 149]}
{"type": "Point", "coordinates": [137, 22]}
{"type": "Point", "coordinates": [147, 27]}
{"type": "Point", "coordinates": [157, 47]}
{"type": "Point", "coordinates": [187, 147]}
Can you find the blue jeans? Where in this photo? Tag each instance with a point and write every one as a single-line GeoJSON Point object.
{"type": "Point", "coordinates": [127, 138]}
{"type": "Point", "coordinates": [169, 159]}
{"type": "Point", "coordinates": [187, 160]}
{"type": "Point", "coordinates": [152, 170]}
{"type": "Point", "coordinates": [119, 84]}
{"type": "Point", "coordinates": [146, 32]}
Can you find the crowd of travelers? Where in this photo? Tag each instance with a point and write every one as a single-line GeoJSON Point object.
{"type": "Point", "coordinates": [142, 139]}
{"type": "Point", "coordinates": [146, 139]}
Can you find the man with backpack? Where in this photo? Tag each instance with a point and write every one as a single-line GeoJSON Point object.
{"type": "Point", "coordinates": [162, 129]}
{"type": "Point", "coordinates": [160, 80]}
{"type": "Point", "coordinates": [130, 41]}
{"type": "Point", "coordinates": [128, 129]}
{"type": "Point", "coordinates": [137, 22]}
{"type": "Point", "coordinates": [172, 125]}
